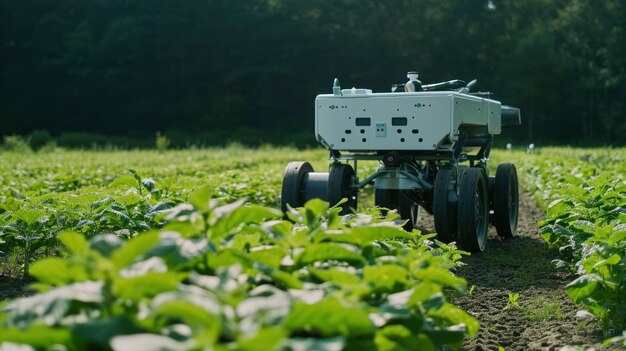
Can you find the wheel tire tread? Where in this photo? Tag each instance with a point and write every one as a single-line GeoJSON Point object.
{"type": "Point", "coordinates": [446, 219]}
{"type": "Point", "coordinates": [469, 185]}
{"type": "Point", "coordinates": [292, 184]}
{"type": "Point", "coordinates": [505, 174]}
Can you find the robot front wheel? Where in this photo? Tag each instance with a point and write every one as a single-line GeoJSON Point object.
{"type": "Point", "coordinates": [301, 184]}
{"type": "Point", "coordinates": [464, 208]}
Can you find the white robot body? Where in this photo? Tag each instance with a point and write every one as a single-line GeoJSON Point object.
{"type": "Point", "coordinates": [359, 120]}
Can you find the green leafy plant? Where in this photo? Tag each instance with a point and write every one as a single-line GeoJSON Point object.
{"type": "Point", "coordinates": [235, 275]}
{"type": "Point", "coordinates": [512, 303]}
{"type": "Point", "coordinates": [585, 200]}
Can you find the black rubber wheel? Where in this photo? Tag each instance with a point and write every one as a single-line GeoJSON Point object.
{"type": "Point", "coordinates": [340, 186]}
{"type": "Point", "coordinates": [505, 200]}
{"type": "Point", "coordinates": [395, 199]}
{"type": "Point", "coordinates": [445, 204]}
{"type": "Point", "coordinates": [293, 188]}
{"type": "Point", "coordinates": [473, 209]}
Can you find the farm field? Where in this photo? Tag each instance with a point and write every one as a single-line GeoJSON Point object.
{"type": "Point", "coordinates": [204, 267]}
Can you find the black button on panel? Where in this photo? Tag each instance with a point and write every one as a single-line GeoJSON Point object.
{"type": "Point", "coordinates": [399, 121]}
{"type": "Point", "coordinates": [363, 121]}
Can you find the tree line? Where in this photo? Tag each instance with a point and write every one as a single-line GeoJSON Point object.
{"type": "Point", "coordinates": [248, 70]}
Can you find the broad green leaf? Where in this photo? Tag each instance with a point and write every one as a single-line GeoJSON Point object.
{"type": "Point", "coordinates": [400, 338]}
{"type": "Point", "coordinates": [267, 339]}
{"type": "Point", "coordinates": [176, 251]}
{"type": "Point", "coordinates": [298, 238]}
{"type": "Point", "coordinates": [456, 316]}
{"type": "Point", "coordinates": [37, 336]}
{"type": "Point", "coordinates": [189, 313]}
{"type": "Point", "coordinates": [313, 212]}
{"type": "Point", "coordinates": [366, 235]}
{"type": "Point", "coordinates": [387, 278]}
{"type": "Point", "coordinates": [201, 197]}
{"type": "Point", "coordinates": [285, 280]}
{"type": "Point", "coordinates": [278, 229]}
{"type": "Point", "coordinates": [199, 297]}
{"type": "Point", "coordinates": [317, 206]}
{"type": "Point", "coordinates": [329, 318]}
{"type": "Point", "coordinates": [186, 229]}
{"type": "Point", "coordinates": [613, 260]}
{"type": "Point", "coordinates": [336, 275]}
{"type": "Point", "coordinates": [134, 248]}
{"type": "Point", "coordinates": [441, 276]}
{"type": "Point", "coordinates": [582, 287]}
{"type": "Point", "coordinates": [423, 292]}
{"type": "Point", "coordinates": [242, 215]}
{"type": "Point", "coordinates": [616, 237]}
{"type": "Point", "coordinates": [559, 208]}
{"type": "Point", "coordinates": [54, 271]}
{"type": "Point", "coordinates": [269, 256]}
{"type": "Point", "coordinates": [51, 306]}
{"type": "Point", "coordinates": [29, 216]}
{"type": "Point", "coordinates": [128, 200]}
{"type": "Point", "coordinates": [330, 251]}
{"type": "Point", "coordinates": [124, 182]}
{"type": "Point", "coordinates": [146, 286]}
{"type": "Point", "coordinates": [229, 257]}
{"type": "Point", "coordinates": [245, 241]}
{"type": "Point", "coordinates": [74, 242]}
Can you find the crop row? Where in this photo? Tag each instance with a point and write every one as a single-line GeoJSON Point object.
{"type": "Point", "coordinates": [584, 196]}
{"type": "Point", "coordinates": [237, 276]}
{"type": "Point", "coordinates": [42, 194]}
{"type": "Point", "coordinates": [145, 261]}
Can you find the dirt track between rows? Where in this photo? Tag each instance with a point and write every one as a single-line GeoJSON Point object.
{"type": "Point", "coordinates": [546, 318]}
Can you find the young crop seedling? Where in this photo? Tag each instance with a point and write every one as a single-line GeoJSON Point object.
{"type": "Point", "coordinates": [512, 303]}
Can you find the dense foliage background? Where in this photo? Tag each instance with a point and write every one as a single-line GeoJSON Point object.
{"type": "Point", "coordinates": [248, 70]}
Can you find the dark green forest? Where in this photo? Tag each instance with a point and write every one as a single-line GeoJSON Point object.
{"type": "Point", "coordinates": [214, 71]}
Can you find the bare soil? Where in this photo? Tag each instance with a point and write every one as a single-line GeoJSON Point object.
{"type": "Point", "coordinates": [545, 318]}
{"type": "Point", "coordinates": [11, 288]}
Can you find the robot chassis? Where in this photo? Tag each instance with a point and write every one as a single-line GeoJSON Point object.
{"type": "Point", "coordinates": [433, 143]}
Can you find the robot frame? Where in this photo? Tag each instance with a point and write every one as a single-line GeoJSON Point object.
{"type": "Point", "coordinates": [432, 142]}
